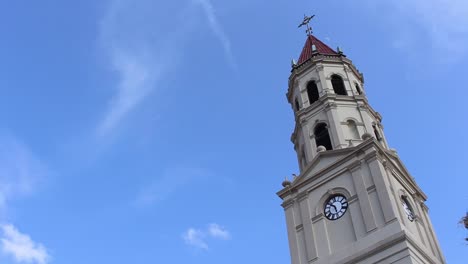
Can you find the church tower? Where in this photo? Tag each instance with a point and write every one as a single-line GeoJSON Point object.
{"type": "Point", "coordinates": [354, 200]}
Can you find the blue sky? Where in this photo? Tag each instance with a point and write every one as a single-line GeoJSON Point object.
{"type": "Point", "coordinates": [138, 131]}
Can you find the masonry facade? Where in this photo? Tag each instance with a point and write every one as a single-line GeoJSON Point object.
{"type": "Point", "coordinates": [354, 201]}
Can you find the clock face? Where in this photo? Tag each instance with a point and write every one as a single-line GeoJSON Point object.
{"type": "Point", "coordinates": [335, 207]}
{"type": "Point", "coordinates": [407, 208]}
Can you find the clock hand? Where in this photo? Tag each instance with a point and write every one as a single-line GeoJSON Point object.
{"type": "Point", "coordinates": [336, 210]}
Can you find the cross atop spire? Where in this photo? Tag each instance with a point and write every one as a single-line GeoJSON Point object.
{"type": "Point", "coordinates": [306, 22]}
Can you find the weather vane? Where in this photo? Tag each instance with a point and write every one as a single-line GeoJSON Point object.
{"type": "Point", "coordinates": [306, 22]}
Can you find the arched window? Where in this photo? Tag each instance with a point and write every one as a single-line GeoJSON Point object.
{"type": "Point", "coordinates": [338, 85]}
{"type": "Point", "coordinates": [376, 132]}
{"type": "Point", "coordinates": [303, 158]}
{"type": "Point", "coordinates": [352, 127]}
{"type": "Point", "coordinates": [312, 92]}
{"type": "Point", "coordinates": [407, 207]}
{"type": "Point", "coordinates": [358, 89]}
{"type": "Point", "coordinates": [296, 103]}
{"type": "Point", "coordinates": [322, 138]}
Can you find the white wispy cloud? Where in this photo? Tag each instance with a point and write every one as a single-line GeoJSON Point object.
{"type": "Point", "coordinates": [143, 41]}
{"type": "Point", "coordinates": [217, 29]}
{"type": "Point", "coordinates": [441, 25]}
{"type": "Point", "coordinates": [218, 231]}
{"type": "Point", "coordinates": [21, 247]}
{"type": "Point", "coordinates": [137, 80]}
{"type": "Point", "coordinates": [198, 237]}
{"type": "Point", "coordinates": [129, 56]}
{"type": "Point", "coordinates": [169, 182]}
{"type": "Point", "coordinates": [20, 170]}
{"type": "Point", "coordinates": [141, 50]}
{"type": "Point", "coordinates": [195, 238]}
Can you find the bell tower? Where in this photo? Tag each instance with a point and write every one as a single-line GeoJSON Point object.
{"type": "Point", "coordinates": [353, 201]}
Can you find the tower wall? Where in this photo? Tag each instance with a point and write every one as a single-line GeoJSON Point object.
{"type": "Point", "coordinates": [342, 150]}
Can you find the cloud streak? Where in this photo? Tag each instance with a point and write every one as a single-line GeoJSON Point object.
{"type": "Point", "coordinates": [20, 170]}
{"type": "Point", "coordinates": [217, 29]}
{"type": "Point", "coordinates": [129, 56]}
{"type": "Point", "coordinates": [142, 46]}
{"type": "Point", "coordinates": [21, 247]}
{"type": "Point", "coordinates": [440, 25]}
{"type": "Point", "coordinates": [137, 80]}
{"type": "Point", "coordinates": [198, 238]}
{"type": "Point", "coordinates": [140, 50]}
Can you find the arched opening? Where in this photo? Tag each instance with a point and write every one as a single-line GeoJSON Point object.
{"type": "Point", "coordinates": [338, 85]}
{"type": "Point", "coordinates": [322, 137]}
{"type": "Point", "coordinates": [376, 132]}
{"type": "Point", "coordinates": [312, 92]}
{"type": "Point", "coordinates": [296, 104]}
{"type": "Point", "coordinates": [407, 208]}
{"type": "Point", "coordinates": [352, 127]}
{"type": "Point", "coordinates": [303, 158]}
{"type": "Point", "coordinates": [358, 89]}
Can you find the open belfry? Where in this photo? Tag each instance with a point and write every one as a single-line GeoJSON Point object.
{"type": "Point", "coordinates": [354, 201]}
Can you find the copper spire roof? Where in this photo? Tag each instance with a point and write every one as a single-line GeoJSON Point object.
{"type": "Point", "coordinates": [320, 48]}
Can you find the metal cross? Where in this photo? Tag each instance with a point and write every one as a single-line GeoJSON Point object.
{"type": "Point", "coordinates": [306, 22]}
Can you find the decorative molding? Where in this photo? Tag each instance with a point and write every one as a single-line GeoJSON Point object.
{"type": "Point", "coordinates": [301, 196]}
{"type": "Point", "coordinates": [288, 203]}
{"type": "Point", "coordinates": [296, 83]}
{"type": "Point", "coordinates": [330, 105]}
{"type": "Point", "coordinates": [385, 163]}
{"type": "Point", "coordinates": [353, 167]}
{"type": "Point", "coordinates": [371, 188]}
{"type": "Point", "coordinates": [311, 134]}
{"type": "Point", "coordinates": [362, 107]}
{"type": "Point", "coordinates": [317, 218]}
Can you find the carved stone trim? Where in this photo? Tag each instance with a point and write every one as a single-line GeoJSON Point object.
{"type": "Point", "coordinates": [317, 218]}
{"type": "Point", "coordinates": [330, 105]}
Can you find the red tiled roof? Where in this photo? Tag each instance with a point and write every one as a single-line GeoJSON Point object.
{"type": "Point", "coordinates": [321, 48]}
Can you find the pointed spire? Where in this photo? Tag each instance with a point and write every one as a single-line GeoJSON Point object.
{"type": "Point", "coordinates": [314, 46]}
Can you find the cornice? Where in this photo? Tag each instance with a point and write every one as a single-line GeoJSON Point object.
{"type": "Point", "coordinates": [375, 248]}
{"type": "Point", "coordinates": [373, 151]}
{"type": "Point", "coordinates": [400, 172]}
{"type": "Point", "coordinates": [420, 250]}
{"type": "Point", "coordinates": [352, 152]}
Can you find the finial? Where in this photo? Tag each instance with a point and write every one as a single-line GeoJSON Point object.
{"type": "Point", "coordinates": [293, 63]}
{"type": "Point", "coordinates": [306, 22]}
{"type": "Point", "coordinates": [366, 136]}
{"type": "Point", "coordinates": [286, 182]}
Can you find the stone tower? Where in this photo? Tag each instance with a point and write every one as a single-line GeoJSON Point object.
{"type": "Point", "coordinates": [354, 201]}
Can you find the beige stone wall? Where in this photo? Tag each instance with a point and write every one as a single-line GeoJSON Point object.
{"type": "Point", "coordinates": [374, 229]}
